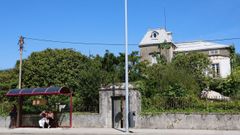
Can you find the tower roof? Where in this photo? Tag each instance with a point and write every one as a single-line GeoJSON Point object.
{"type": "Point", "coordinates": [156, 36]}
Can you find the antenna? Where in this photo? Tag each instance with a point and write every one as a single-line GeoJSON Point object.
{"type": "Point", "coordinates": [89, 53]}
{"type": "Point", "coordinates": [165, 19]}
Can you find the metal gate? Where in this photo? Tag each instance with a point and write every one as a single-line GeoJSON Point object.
{"type": "Point", "coordinates": [118, 109]}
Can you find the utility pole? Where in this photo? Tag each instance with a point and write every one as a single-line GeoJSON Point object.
{"type": "Point", "coordinates": [20, 43]}
{"type": "Point", "coordinates": [20, 98]}
{"type": "Point", "coordinates": [126, 68]}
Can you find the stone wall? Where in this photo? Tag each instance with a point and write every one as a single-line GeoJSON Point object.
{"type": "Point", "coordinates": [162, 121]}
{"type": "Point", "coordinates": [190, 121]}
{"type": "Point", "coordinates": [146, 52]}
{"type": "Point", "coordinates": [32, 120]}
{"type": "Point", "coordinates": [88, 120]}
{"type": "Point", "coordinates": [4, 122]}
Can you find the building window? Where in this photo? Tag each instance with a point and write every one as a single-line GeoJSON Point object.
{"type": "Point", "coordinates": [154, 34]}
{"type": "Point", "coordinates": [214, 52]}
{"type": "Point", "coordinates": [153, 59]}
{"type": "Point", "coordinates": [216, 70]}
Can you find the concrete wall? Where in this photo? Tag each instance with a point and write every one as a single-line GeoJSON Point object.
{"type": "Point", "coordinates": [4, 122]}
{"type": "Point", "coordinates": [88, 120]}
{"type": "Point", "coordinates": [162, 121]}
{"type": "Point", "coordinates": [31, 120]}
{"type": "Point", "coordinates": [191, 121]}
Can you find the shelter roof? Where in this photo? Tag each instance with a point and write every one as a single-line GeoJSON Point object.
{"type": "Point", "coordinates": [38, 91]}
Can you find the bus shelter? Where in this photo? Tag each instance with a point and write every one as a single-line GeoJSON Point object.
{"type": "Point", "coordinates": [49, 91]}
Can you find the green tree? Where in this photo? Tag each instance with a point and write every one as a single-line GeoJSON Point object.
{"type": "Point", "coordinates": [236, 62]}
{"type": "Point", "coordinates": [109, 64]}
{"type": "Point", "coordinates": [109, 61]}
{"type": "Point", "coordinates": [229, 86]}
{"type": "Point", "coordinates": [235, 57]}
{"type": "Point", "coordinates": [65, 67]}
{"type": "Point", "coordinates": [163, 76]}
{"type": "Point", "coordinates": [114, 67]}
{"type": "Point", "coordinates": [8, 79]}
{"type": "Point", "coordinates": [160, 58]}
{"type": "Point", "coordinates": [135, 67]}
{"type": "Point", "coordinates": [195, 63]}
{"type": "Point", "coordinates": [162, 82]}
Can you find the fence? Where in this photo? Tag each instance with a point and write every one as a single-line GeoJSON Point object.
{"type": "Point", "coordinates": [190, 104]}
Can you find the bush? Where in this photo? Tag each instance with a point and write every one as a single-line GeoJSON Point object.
{"type": "Point", "coordinates": [229, 86]}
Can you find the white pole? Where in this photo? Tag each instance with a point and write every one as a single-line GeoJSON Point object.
{"type": "Point", "coordinates": [126, 65]}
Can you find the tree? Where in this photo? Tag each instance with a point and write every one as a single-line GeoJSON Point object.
{"type": "Point", "coordinates": [114, 67]}
{"type": "Point", "coordinates": [109, 64]}
{"type": "Point", "coordinates": [109, 61]}
{"type": "Point", "coordinates": [163, 82]}
{"type": "Point", "coordinates": [65, 67]}
{"type": "Point", "coordinates": [135, 67]}
{"type": "Point", "coordinates": [163, 76]}
{"type": "Point", "coordinates": [229, 86]}
{"type": "Point", "coordinates": [194, 63]}
{"type": "Point", "coordinates": [235, 57]}
{"type": "Point", "coordinates": [8, 79]}
{"type": "Point", "coordinates": [236, 62]}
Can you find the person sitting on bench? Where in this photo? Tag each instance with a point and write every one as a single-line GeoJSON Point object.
{"type": "Point", "coordinates": [44, 122]}
{"type": "Point", "coordinates": [50, 117]}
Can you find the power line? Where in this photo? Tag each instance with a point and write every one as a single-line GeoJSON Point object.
{"type": "Point", "coordinates": [76, 43]}
{"type": "Point", "coordinates": [211, 40]}
{"type": "Point", "coordinates": [224, 39]}
{"type": "Point", "coordinates": [119, 44]}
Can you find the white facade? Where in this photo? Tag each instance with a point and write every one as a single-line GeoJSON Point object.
{"type": "Point", "coordinates": [224, 65]}
{"type": "Point", "coordinates": [220, 61]}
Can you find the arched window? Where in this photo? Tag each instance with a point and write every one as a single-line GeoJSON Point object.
{"type": "Point", "coordinates": [154, 34]}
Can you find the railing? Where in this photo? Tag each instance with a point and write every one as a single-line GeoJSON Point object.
{"type": "Point", "coordinates": [189, 105]}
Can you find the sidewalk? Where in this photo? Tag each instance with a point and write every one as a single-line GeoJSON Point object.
{"type": "Point", "coordinates": [110, 131]}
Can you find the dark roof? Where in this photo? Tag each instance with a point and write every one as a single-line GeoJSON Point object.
{"type": "Point", "coordinates": [38, 91]}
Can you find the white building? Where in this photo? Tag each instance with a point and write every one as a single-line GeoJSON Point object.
{"type": "Point", "coordinates": [219, 54]}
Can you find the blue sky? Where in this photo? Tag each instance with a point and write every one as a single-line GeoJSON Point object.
{"type": "Point", "coordinates": [103, 21]}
